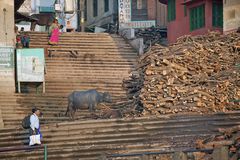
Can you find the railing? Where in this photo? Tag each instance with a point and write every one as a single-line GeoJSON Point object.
{"type": "Point", "coordinates": [26, 148]}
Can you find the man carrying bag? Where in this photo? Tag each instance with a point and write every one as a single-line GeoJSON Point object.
{"type": "Point", "coordinates": [34, 130]}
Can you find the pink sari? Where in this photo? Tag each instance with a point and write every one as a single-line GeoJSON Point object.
{"type": "Point", "coordinates": [54, 36]}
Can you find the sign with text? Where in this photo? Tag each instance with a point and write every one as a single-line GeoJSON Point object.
{"type": "Point", "coordinates": [124, 11]}
{"type": "Point", "coordinates": [6, 63]}
{"type": "Point", "coordinates": [125, 16]}
{"type": "Point", "coordinates": [139, 24]}
{"type": "Point", "coordinates": [30, 65]}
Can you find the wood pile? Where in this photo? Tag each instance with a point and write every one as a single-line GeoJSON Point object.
{"type": "Point", "coordinates": [196, 74]}
{"type": "Point", "coordinates": [151, 36]}
{"type": "Point", "coordinates": [228, 138]}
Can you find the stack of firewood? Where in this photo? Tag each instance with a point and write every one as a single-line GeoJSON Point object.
{"type": "Point", "coordinates": [196, 74]}
{"type": "Point", "coordinates": [151, 36]}
{"type": "Point", "coordinates": [229, 138]}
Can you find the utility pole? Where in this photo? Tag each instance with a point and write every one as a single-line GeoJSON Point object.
{"type": "Point", "coordinates": [82, 7]}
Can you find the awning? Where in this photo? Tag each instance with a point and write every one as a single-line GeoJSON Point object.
{"type": "Point", "coordinates": [188, 2]}
{"type": "Point", "coordinates": [163, 1]}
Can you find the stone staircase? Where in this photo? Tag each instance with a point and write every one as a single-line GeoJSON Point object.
{"type": "Point", "coordinates": [80, 61]}
{"type": "Point", "coordinates": [85, 61]}
{"type": "Point", "coordinates": [97, 139]}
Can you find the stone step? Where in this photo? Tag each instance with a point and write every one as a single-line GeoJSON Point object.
{"type": "Point", "coordinates": [130, 135]}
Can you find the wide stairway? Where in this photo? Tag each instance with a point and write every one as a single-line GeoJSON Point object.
{"type": "Point", "coordinates": [84, 61]}
{"type": "Point", "coordinates": [100, 139]}
{"type": "Point", "coordinates": [80, 61]}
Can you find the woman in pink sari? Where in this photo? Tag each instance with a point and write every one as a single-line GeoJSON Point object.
{"type": "Point", "coordinates": [54, 32]}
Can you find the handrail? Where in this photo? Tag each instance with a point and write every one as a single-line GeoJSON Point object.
{"type": "Point", "coordinates": [157, 153]}
{"type": "Point", "coordinates": [25, 148]}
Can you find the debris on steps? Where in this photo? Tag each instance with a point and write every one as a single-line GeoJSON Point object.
{"type": "Point", "coordinates": [196, 74]}
{"type": "Point", "coordinates": [226, 137]}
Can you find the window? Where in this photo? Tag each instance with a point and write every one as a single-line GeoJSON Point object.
{"type": "Point", "coordinates": [139, 4]}
{"type": "Point", "coordinates": [185, 9]}
{"type": "Point", "coordinates": [171, 10]}
{"type": "Point", "coordinates": [217, 14]}
{"type": "Point", "coordinates": [106, 5]}
{"type": "Point", "coordinates": [197, 17]}
{"type": "Point", "coordinates": [95, 8]}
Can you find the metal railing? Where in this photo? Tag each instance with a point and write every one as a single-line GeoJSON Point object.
{"type": "Point", "coordinates": [26, 148]}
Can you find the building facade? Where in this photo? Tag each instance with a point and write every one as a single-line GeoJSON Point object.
{"type": "Point", "coordinates": [101, 13]}
{"type": "Point", "coordinates": [193, 17]}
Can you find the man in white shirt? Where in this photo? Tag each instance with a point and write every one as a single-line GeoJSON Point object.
{"type": "Point", "coordinates": [34, 122]}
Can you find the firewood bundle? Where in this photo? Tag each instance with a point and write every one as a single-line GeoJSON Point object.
{"type": "Point", "coordinates": [229, 138]}
{"type": "Point", "coordinates": [196, 74]}
{"type": "Point", "coordinates": [151, 36]}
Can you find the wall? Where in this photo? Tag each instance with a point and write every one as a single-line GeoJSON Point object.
{"type": "Point", "coordinates": [161, 13]}
{"type": "Point", "coordinates": [231, 15]}
{"type": "Point", "coordinates": [180, 26]}
{"type": "Point", "coordinates": [7, 38]}
{"type": "Point", "coordinates": [103, 17]}
{"type": "Point", "coordinates": [151, 9]}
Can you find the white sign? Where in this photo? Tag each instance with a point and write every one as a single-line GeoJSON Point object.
{"type": "Point", "coordinates": [6, 62]}
{"type": "Point", "coordinates": [30, 65]}
{"type": "Point", "coordinates": [58, 7]}
{"type": "Point", "coordinates": [139, 24]}
{"type": "Point", "coordinates": [124, 11]}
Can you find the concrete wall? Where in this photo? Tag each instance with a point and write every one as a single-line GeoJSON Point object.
{"type": "Point", "coordinates": [231, 15]}
{"type": "Point", "coordinates": [7, 36]}
{"type": "Point", "coordinates": [103, 17]}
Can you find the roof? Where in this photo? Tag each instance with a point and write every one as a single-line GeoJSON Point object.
{"type": "Point", "coordinates": [19, 16]}
{"type": "Point", "coordinates": [163, 1]}
{"type": "Point", "coordinates": [17, 4]}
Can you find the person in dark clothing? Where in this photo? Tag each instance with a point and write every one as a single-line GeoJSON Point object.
{"type": "Point", "coordinates": [25, 40]}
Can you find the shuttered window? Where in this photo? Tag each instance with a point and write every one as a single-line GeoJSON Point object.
{"type": "Point", "coordinates": [106, 5]}
{"type": "Point", "coordinates": [197, 17]}
{"type": "Point", "coordinates": [95, 8]}
{"type": "Point", "coordinates": [171, 10]}
{"type": "Point", "coordinates": [217, 14]}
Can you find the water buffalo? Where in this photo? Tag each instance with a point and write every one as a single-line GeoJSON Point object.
{"type": "Point", "coordinates": [85, 99]}
{"type": "Point", "coordinates": [42, 19]}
